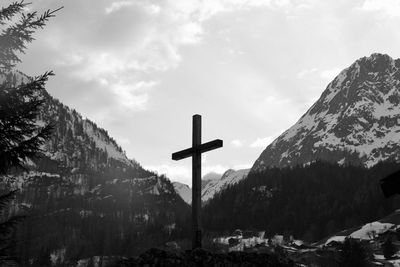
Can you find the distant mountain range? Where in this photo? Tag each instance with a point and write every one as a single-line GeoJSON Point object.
{"type": "Point", "coordinates": [211, 184]}
{"type": "Point", "coordinates": [355, 121]}
{"type": "Point", "coordinates": [230, 177]}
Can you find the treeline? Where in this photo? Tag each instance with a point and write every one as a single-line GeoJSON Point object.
{"type": "Point", "coordinates": [308, 202]}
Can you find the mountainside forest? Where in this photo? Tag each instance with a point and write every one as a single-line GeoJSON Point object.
{"type": "Point", "coordinates": [308, 202]}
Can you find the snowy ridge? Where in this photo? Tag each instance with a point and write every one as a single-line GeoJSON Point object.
{"type": "Point", "coordinates": [355, 121]}
{"type": "Point", "coordinates": [228, 178]}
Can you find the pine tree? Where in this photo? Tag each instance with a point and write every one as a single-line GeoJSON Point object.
{"type": "Point", "coordinates": [7, 232]}
{"type": "Point", "coordinates": [20, 100]}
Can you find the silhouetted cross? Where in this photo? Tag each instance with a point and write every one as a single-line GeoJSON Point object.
{"type": "Point", "coordinates": [195, 152]}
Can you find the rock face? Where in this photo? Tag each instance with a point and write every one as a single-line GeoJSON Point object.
{"type": "Point", "coordinates": [83, 195]}
{"type": "Point", "coordinates": [184, 191]}
{"type": "Point", "coordinates": [355, 121]}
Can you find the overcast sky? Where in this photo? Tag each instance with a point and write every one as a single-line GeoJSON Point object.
{"type": "Point", "coordinates": [141, 69]}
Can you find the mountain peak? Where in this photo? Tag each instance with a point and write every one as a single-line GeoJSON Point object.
{"type": "Point", "coordinates": [356, 120]}
{"type": "Point", "coordinates": [377, 58]}
{"type": "Point", "coordinates": [377, 62]}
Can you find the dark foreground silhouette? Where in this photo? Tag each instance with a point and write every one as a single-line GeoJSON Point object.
{"type": "Point", "coordinates": [201, 257]}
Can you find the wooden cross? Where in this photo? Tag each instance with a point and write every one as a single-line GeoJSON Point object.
{"type": "Point", "coordinates": [195, 152]}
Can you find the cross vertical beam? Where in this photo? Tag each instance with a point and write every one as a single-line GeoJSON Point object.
{"type": "Point", "coordinates": [195, 152]}
{"type": "Point", "coordinates": [196, 187]}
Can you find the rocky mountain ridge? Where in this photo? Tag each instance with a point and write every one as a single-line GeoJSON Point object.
{"type": "Point", "coordinates": [355, 121]}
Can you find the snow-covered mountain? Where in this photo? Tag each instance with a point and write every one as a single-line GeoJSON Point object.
{"type": "Point", "coordinates": [184, 191]}
{"type": "Point", "coordinates": [355, 121]}
{"type": "Point", "coordinates": [228, 178]}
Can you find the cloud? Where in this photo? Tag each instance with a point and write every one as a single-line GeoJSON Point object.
{"type": "Point", "coordinates": [330, 74]}
{"type": "Point", "coordinates": [214, 168]}
{"type": "Point", "coordinates": [262, 142]}
{"type": "Point", "coordinates": [206, 9]}
{"type": "Point", "coordinates": [134, 97]}
{"type": "Point", "coordinates": [120, 44]}
{"type": "Point", "coordinates": [175, 173]}
{"type": "Point", "coordinates": [306, 72]}
{"type": "Point", "coordinates": [237, 143]}
{"type": "Point", "coordinates": [388, 7]}
{"type": "Point", "coordinates": [115, 6]}
{"type": "Point", "coordinates": [243, 166]}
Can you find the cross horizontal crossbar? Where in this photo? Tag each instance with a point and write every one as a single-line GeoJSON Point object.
{"type": "Point", "coordinates": [198, 149]}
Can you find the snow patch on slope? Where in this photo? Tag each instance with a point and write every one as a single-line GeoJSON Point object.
{"type": "Point", "coordinates": [371, 230]}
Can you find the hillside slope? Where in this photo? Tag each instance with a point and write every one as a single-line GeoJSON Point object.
{"type": "Point", "coordinates": [84, 197]}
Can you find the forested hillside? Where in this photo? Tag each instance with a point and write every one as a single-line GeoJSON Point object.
{"type": "Point", "coordinates": [308, 202]}
{"type": "Point", "coordinates": [83, 197]}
